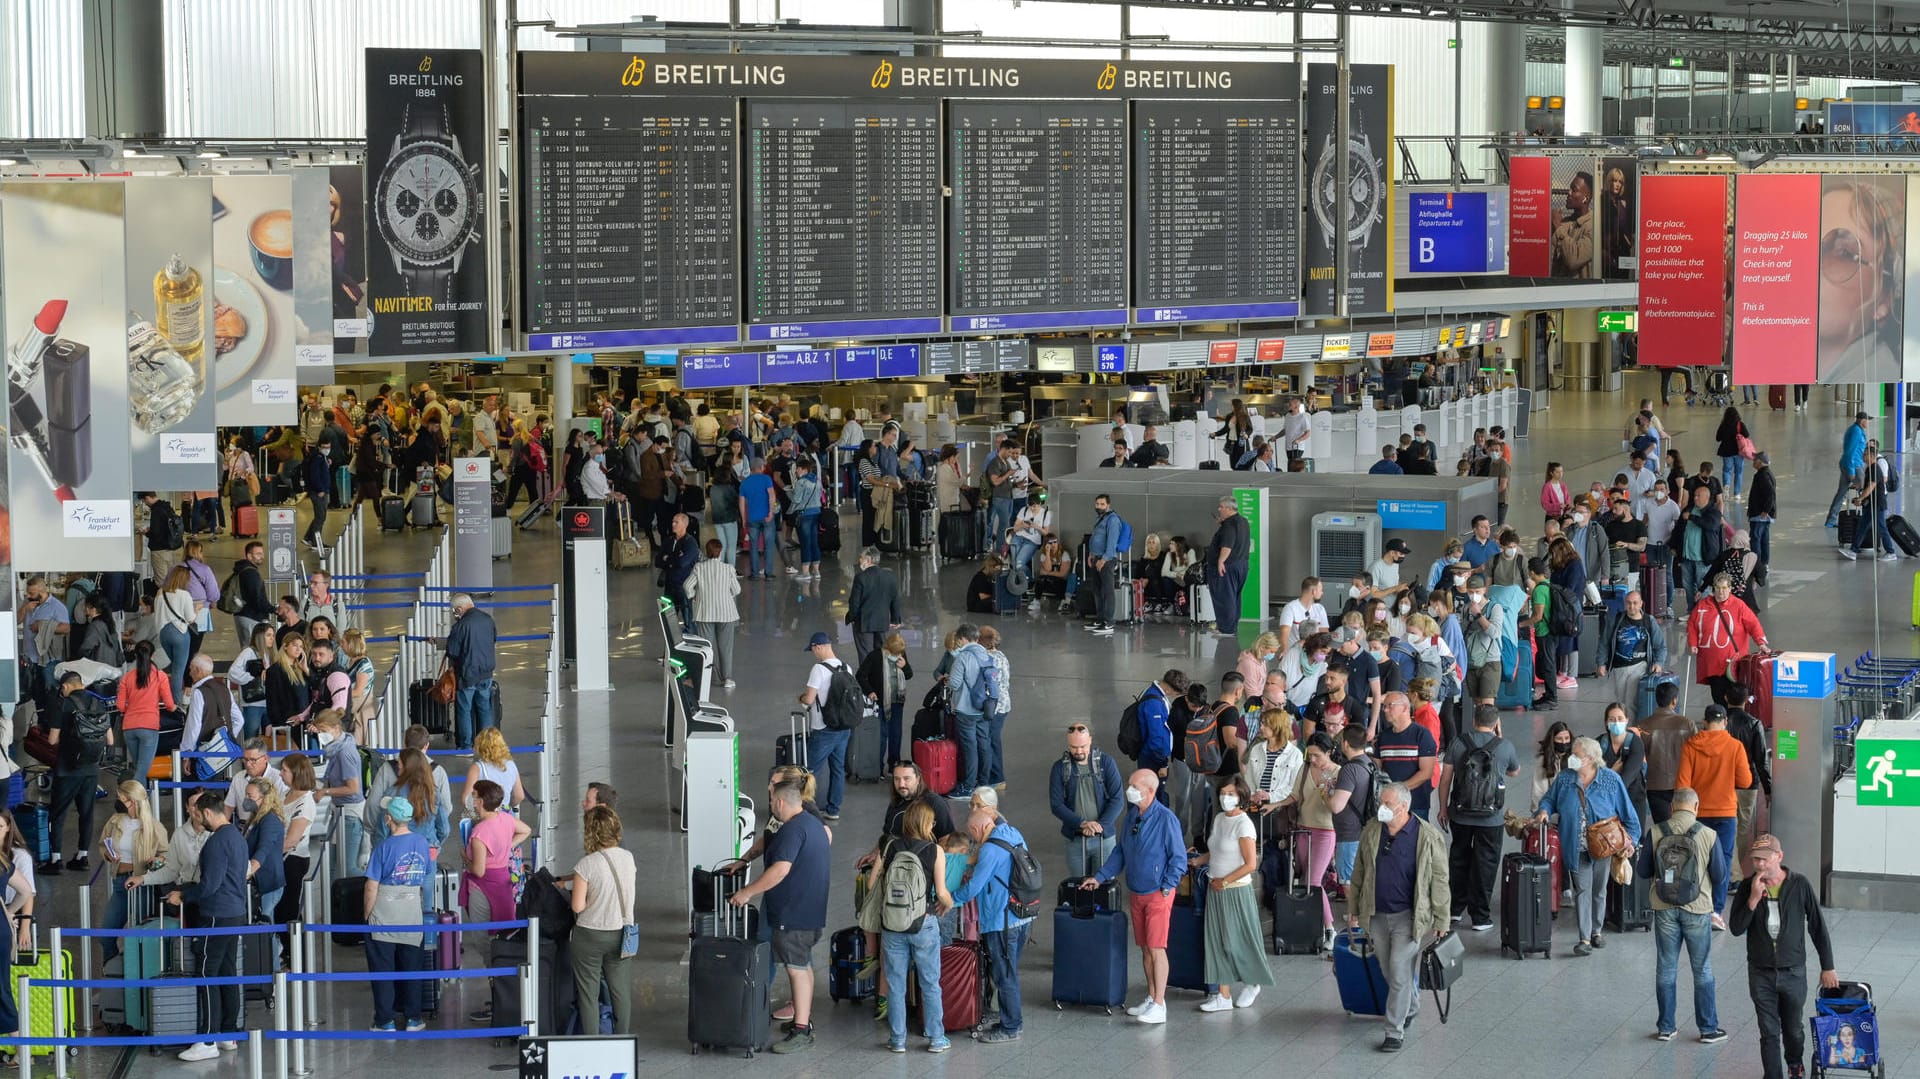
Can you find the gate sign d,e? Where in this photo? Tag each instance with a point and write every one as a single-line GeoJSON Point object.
{"type": "Point", "coordinates": [1803, 675]}
{"type": "Point", "coordinates": [1887, 771]}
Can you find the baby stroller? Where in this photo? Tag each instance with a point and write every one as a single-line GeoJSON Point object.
{"type": "Point", "coordinates": [1719, 384]}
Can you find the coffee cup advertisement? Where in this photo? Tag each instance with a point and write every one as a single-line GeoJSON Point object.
{"type": "Point", "coordinates": [250, 362]}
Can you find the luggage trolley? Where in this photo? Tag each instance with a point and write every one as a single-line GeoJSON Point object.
{"type": "Point", "coordinates": [1846, 1032]}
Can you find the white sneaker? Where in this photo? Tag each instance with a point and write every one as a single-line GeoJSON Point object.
{"type": "Point", "coordinates": [1216, 1003]}
{"type": "Point", "coordinates": [1154, 1015]}
{"type": "Point", "coordinates": [1141, 1008]}
{"type": "Point", "coordinates": [229, 1047]}
{"type": "Point", "coordinates": [1890, 557]}
{"type": "Point", "coordinates": [1849, 554]}
{"type": "Point", "coordinates": [728, 684]}
{"type": "Point", "coordinates": [200, 1051]}
{"type": "Point", "coordinates": [1246, 997]}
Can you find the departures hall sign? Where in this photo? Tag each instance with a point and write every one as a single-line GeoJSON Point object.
{"type": "Point", "coordinates": [894, 77]}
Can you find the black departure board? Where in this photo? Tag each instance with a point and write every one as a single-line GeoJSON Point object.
{"type": "Point", "coordinates": [1216, 210]}
{"type": "Point", "coordinates": [974, 357]}
{"type": "Point", "coordinates": [1037, 225]}
{"type": "Point", "coordinates": [632, 221]}
{"type": "Point", "coordinates": [843, 226]}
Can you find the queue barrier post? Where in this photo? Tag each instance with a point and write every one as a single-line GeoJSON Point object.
{"type": "Point", "coordinates": [25, 1056]}
{"type": "Point", "coordinates": [529, 994]}
{"type": "Point", "coordinates": [85, 1019]}
{"type": "Point", "coordinates": [282, 1005]}
{"type": "Point", "coordinates": [292, 1014]}
{"type": "Point", "coordinates": [59, 1008]}
{"type": "Point", "coordinates": [256, 1054]}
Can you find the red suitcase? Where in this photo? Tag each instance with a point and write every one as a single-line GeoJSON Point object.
{"type": "Point", "coordinates": [939, 762]}
{"type": "Point", "coordinates": [1755, 671]}
{"type": "Point", "coordinates": [1777, 398]}
{"type": "Point", "coordinates": [1551, 854]}
{"type": "Point", "coordinates": [962, 981]}
{"type": "Point", "coordinates": [246, 522]}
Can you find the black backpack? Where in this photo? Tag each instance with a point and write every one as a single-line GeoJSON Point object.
{"type": "Point", "coordinates": [1676, 866]}
{"type": "Point", "coordinates": [1129, 738]}
{"type": "Point", "coordinates": [1563, 611]}
{"type": "Point", "coordinates": [842, 709]}
{"type": "Point", "coordinates": [1477, 787]}
{"type": "Point", "coordinates": [1203, 741]}
{"type": "Point", "coordinates": [91, 722]}
{"type": "Point", "coordinates": [1023, 881]}
{"type": "Point", "coordinates": [163, 529]}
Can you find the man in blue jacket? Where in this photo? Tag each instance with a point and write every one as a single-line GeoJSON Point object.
{"type": "Point", "coordinates": [1004, 935]}
{"type": "Point", "coordinates": [1103, 558]}
{"type": "Point", "coordinates": [470, 649]}
{"type": "Point", "coordinates": [221, 895]}
{"type": "Point", "coordinates": [1154, 858]}
{"type": "Point", "coordinates": [1853, 454]}
{"type": "Point", "coordinates": [1084, 791]}
{"type": "Point", "coordinates": [1156, 736]}
{"type": "Point", "coordinates": [964, 679]}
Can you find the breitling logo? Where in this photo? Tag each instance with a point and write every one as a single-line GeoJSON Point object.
{"type": "Point", "coordinates": [882, 76]}
{"type": "Point", "coordinates": [426, 64]}
{"type": "Point", "coordinates": [635, 73]}
{"type": "Point", "coordinates": [1106, 79]}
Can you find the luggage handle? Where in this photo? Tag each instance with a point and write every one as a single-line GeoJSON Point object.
{"type": "Point", "coordinates": [796, 722]}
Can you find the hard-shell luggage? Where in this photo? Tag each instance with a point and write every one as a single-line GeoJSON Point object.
{"type": "Point", "coordinates": [1544, 842]}
{"type": "Point", "coordinates": [921, 530]}
{"type": "Point", "coordinates": [1850, 525]}
{"type": "Point", "coordinates": [727, 987]}
{"type": "Point", "coordinates": [1755, 671]}
{"type": "Point", "coordinates": [425, 513]}
{"type": "Point", "coordinates": [1630, 906]}
{"type": "Point", "coordinates": [349, 908]}
{"type": "Point", "coordinates": [963, 983]}
{"type": "Point", "coordinates": [866, 749]}
{"type": "Point", "coordinates": [502, 538]}
{"type": "Point", "coordinates": [939, 762]}
{"type": "Point", "coordinates": [1526, 914]}
{"type": "Point", "coordinates": [1649, 686]}
{"type": "Point", "coordinates": [1591, 623]}
{"type": "Point", "coordinates": [449, 948]}
{"type": "Point", "coordinates": [37, 962]}
{"type": "Point", "coordinates": [1298, 924]}
{"type": "Point", "coordinates": [1187, 936]}
{"type": "Point", "coordinates": [1777, 398]}
{"type": "Point", "coordinates": [957, 534]}
{"type": "Point", "coordinates": [437, 718]}
{"type": "Point", "coordinates": [1098, 943]}
{"type": "Point", "coordinates": [246, 521]}
{"type": "Point", "coordinates": [1903, 535]}
{"type": "Point", "coordinates": [535, 508]}
{"type": "Point", "coordinates": [1517, 692]}
{"type": "Point", "coordinates": [393, 513]}
{"type": "Point", "coordinates": [893, 538]}
{"type": "Point", "coordinates": [791, 747]}
{"type": "Point", "coordinates": [557, 996]}
{"type": "Point", "coordinates": [1654, 580]}
{"type": "Point", "coordinates": [1124, 612]}
{"type": "Point", "coordinates": [35, 832]}
{"type": "Point", "coordinates": [1085, 901]}
{"type": "Point", "coordinates": [173, 1009]}
{"type": "Point", "coordinates": [829, 532]}
{"type": "Point", "coordinates": [1356, 970]}
{"type": "Point", "coordinates": [848, 951]}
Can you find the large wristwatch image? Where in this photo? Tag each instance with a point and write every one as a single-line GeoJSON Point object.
{"type": "Point", "coordinates": [427, 202]}
{"type": "Point", "coordinates": [1366, 185]}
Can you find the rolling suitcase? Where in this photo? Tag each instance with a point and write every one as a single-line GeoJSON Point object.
{"type": "Point", "coordinates": [1629, 906]}
{"type": "Point", "coordinates": [1777, 398]}
{"type": "Point", "coordinates": [423, 512]}
{"type": "Point", "coordinates": [1526, 911]}
{"type": "Point", "coordinates": [1644, 700]}
{"type": "Point", "coordinates": [1544, 842]}
{"type": "Point", "coordinates": [1199, 604]}
{"type": "Point", "coordinates": [829, 532]}
{"type": "Point", "coordinates": [893, 539]}
{"type": "Point", "coordinates": [1099, 945]}
{"type": "Point", "coordinates": [1084, 902]}
{"type": "Point", "coordinates": [1903, 535]}
{"type": "Point", "coordinates": [848, 953]}
{"type": "Point", "coordinates": [939, 763]}
{"type": "Point", "coordinates": [437, 718]}
{"type": "Point", "coordinates": [957, 540]}
{"type": "Point", "coordinates": [1356, 970]}
{"type": "Point", "coordinates": [37, 962]}
{"type": "Point", "coordinates": [449, 948]}
{"type": "Point", "coordinates": [1298, 925]}
{"type": "Point", "coordinates": [349, 908]}
{"type": "Point", "coordinates": [535, 508]}
{"type": "Point", "coordinates": [920, 526]}
{"type": "Point", "coordinates": [1755, 671]}
{"type": "Point", "coordinates": [35, 831]}
{"type": "Point", "coordinates": [963, 984]}
{"type": "Point", "coordinates": [1850, 527]}
{"type": "Point", "coordinates": [1655, 587]}
{"type": "Point", "coordinates": [1187, 936]}
{"type": "Point", "coordinates": [727, 987]}
{"type": "Point", "coordinates": [1591, 621]}
{"type": "Point", "coordinates": [246, 521]}
{"type": "Point", "coordinates": [791, 747]}
{"type": "Point", "coordinates": [393, 513]}
{"type": "Point", "coordinates": [502, 538]}
{"type": "Point", "coordinates": [866, 749]}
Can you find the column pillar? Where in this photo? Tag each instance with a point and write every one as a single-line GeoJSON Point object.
{"type": "Point", "coordinates": [124, 56]}
{"type": "Point", "coordinates": [1506, 77]}
{"type": "Point", "coordinates": [1583, 69]}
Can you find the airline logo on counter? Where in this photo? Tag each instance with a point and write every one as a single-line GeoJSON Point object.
{"type": "Point", "coordinates": [1222, 353]}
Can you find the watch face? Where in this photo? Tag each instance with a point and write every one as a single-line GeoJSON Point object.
{"type": "Point", "coordinates": [1366, 191]}
{"type": "Point", "coordinates": [427, 204]}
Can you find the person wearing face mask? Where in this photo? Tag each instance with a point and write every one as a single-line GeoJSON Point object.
{"type": "Point", "coordinates": [1555, 745]}
{"type": "Point", "coordinates": [1778, 910]}
{"type": "Point", "coordinates": [340, 787]}
{"type": "Point", "coordinates": [254, 764]}
{"type": "Point", "coordinates": [1625, 751]}
{"type": "Point", "coordinates": [1304, 664]}
{"type": "Point", "coordinates": [1473, 805]}
{"type": "Point", "coordinates": [1662, 516]}
{"type": "Point", "coordinates": [1153, 855]}
{"type": "Point", "coordinates": [1585, 793]}
{"type": "Point", "coordinates": [1386, 572]}
{"type": "Point", "coordinates": [1485, 624]}
{"type": "Point", "coordinates": [1451, 554]}
{"type": "Point", "coordinates": [1257, 659]}
{"type": "Point", "coordinates": [1510, 565]}
{"type": "Point", "coordinates": [1401, 899]}
{"type": "Point", "coordinates": [1589, 540]}
{"type": "Point", "coordinates": [1235, 952]}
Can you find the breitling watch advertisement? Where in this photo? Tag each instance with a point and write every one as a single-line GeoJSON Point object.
{"type": "Point", "coordinates": [170, 304]}
{"type": "Point", "coordinates": [1368, 193]}
{"type": "Point", "coordinates": [426, 142]}
{"type": "Point", "coordinates": [65, 315]}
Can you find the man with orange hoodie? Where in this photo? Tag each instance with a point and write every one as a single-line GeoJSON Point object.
{"type": "Point", "coordinates": [1714, 764]}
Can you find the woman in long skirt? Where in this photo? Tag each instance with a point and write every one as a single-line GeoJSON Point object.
{"type": "Point", "coordinates": [1234, 950]}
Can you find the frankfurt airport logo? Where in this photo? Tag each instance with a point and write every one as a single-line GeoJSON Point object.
{"type": "Point", "coordinates": [1106, 79]}
{"type": "Point", "coordinates": [882, 76]}
{"type": "Point", "coordinates": [634, 74]}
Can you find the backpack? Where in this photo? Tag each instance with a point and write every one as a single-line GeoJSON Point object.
{"type": "Point", "coordinates": [1676, 866]}
{"type": "Point", "coordinates": [1203, 740]}
{"type": "Point", "coordinates": [904, 886]}
{"type": "Point", "coordinates": [230, 601]}
{"type": "Point", "coordinates": [163, 531]}
{"type": "Point", "coordinates": [1370, 806]}
{"type": "Point", "coordinates": [986, 689]}
{"type": "Point", "coordinates": [1129, 739]}
{"type": "Point", "coordinates": [1126, 537]}
{"type": "Point", "coordinates": [91, 723]}
{"type": "Point", "coordinates": [1563, 611]}
{"type": "Point", "coordinates": [1023, 881]}
{"type": "Point", "coordinates": [844, 706]}
{"type": "Point", "coordinates": [1477, 787]}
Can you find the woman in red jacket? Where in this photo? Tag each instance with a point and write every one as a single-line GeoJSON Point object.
{"type": "Point", "coordinates": [144, 691]}
{"type": "Point", "coordinates": [1720, 630]}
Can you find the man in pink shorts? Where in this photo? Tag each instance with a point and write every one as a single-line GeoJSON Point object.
{"type": "Point", "coordinates": [1153, 855]}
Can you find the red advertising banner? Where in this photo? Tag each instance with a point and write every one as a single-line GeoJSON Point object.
{"type": "Point", "coordinates": [1270, 349]}
{"type": "Point", "coordinates": [1223, 352]}
{"type": "Point", "coordinates": [1683, 270]}
{"type": "Point", "coordinates": [1776, 282]}
{"type": "Point", "coordinates": [1530, 217]}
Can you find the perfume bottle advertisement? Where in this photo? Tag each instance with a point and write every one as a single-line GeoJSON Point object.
{"type": "Point", "coordinates": [312, 278]}
{"type": "Point", "coordinates": [170, 334]}
{"type": "Point", "coordinates": [1369, 154]}
{"type": "Point", "coordinates": [65, 321]}
{"type": "Point", "coordinates": [426, 218]}
{"type": "Point", "coordinates": [253, 324]}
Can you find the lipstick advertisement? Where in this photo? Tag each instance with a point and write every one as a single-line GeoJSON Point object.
{"type": "Point", "coordinates": [253, 322]}
{"type": "Point", "coordinates": [65, 320]}
{"type": "Point", "coordinates": [169, 329]}
{"type": "Point", "coordinates": [312, 278]}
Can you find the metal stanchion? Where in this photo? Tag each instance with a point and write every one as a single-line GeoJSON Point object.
{"type": "Point", "coordinates": [85, 1019]}
{"type": "Point", "coordinates": [530, 988]}
{"type": "Point", "coordinates": [310, 991]}
{"type": "Point", "coordinates": [25, 1056]}
{"type": "Point", "coordinates": [297, 1007]}
{"type": "Point", "coordinates": [256, 1054]}
{"type": "Point", "coordinates": [282, 1002]}
{"type": "Point", "coordinates": [59, 1009]}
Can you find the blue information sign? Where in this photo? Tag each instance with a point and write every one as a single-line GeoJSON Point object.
{"type": "Point", "coordinates": [1215, 312]}
{"type": "Point", "coordinates": [1412, 515]}
{"type": "Point", "coordinates": [876, 361]}
{"type": "Point", "coordinates": [683, 335]}
{"type": "Point", "coordinates": [871, 327]}
{"type": "Point", "coordinates": [1447, 232]}
{"type": "Point", "coordinates": [796, 365]}
{"type": "Point", "coordinates": [1111, 359]}
{"type": "Point", "coordinates": [1803, 675]}
{"type": "Point", "coordinates": [1040, 320]}
{"type": "Point", "coordinates": [720, 372]}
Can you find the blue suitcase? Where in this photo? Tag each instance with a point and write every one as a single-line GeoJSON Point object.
{"type": "Point", "coordinates": [34, 831]}
{"type": "Point", "coordinates": [1517, 692]}
{"type": "Point", "coordinates": [1187, 938]}
{"type": "Point", "coordinates": [1643, 702]}
{"type": "Point", "coordinates": [1090, 958]}
{"type": "Point", "coordinates": [1356, 969]}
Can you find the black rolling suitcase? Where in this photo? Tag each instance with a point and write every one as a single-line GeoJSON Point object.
{"type": "Point", "coordinates": [349, 908]}
{"type": "Point", "coordinates": [727, 986]}
{"type": "Point", "coordinates": [393, 513]}
{"type": "Point", "coordinates": [893, 539]}
{"type": "Point", "coordinates": [1904, 535]}
{"type": "Point", "coordinates": [1526, 905]}
{"type": "Point", "coordinates": [957, 539]}
{"type": "Point", "coordinates": [1630, 906]}
{"type": "Point", "coordinates": [1297, 924]}
{"type": "Point", "coordinates": [829, 532]}
{"type": "Point", "coordinates": [1850, 524]}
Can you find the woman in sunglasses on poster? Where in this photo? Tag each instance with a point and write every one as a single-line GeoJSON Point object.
{"type": "Point", "coordinates": [1862, 243]}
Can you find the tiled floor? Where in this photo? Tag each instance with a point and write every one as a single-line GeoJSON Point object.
{"type": "Point", "coordinates": [1564, 1016]}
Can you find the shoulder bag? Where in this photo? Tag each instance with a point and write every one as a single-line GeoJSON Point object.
{"type": "Point", "coordinates": [1441, 964]}
{"type": "Point", "coordinates": [1605, 838]}
{"type": "Point", "coordinates": [446, 687]}
{"type": "Point", "coordinates": [629, 929]}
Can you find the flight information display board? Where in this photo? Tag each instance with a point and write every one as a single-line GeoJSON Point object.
{"type": "Point", "coordinates": [1038, 217]}
{"type": "Point", "coordinates": [843, 225]}
{"type": "Point", "coordinates": [631, 221]}
{"type": "Point", "coordinates": [974, 357]}
{"type": "Point", "coordinates": [1216, 188]}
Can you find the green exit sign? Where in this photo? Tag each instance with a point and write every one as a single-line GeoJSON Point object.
{"type": "Point", "coordinates": [1887, 771]}
{"type": "Point", "coordinates": [1453, 43]}
{"type": "Point", "coordinates": [1677, 61]}
{"type": "Point", "coordinates": [1617, 321]}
